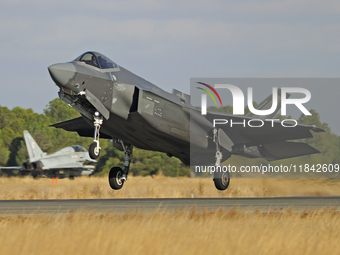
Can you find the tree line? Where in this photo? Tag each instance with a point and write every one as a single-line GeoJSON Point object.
{"type": "Point", "coordinates": [13, 150]}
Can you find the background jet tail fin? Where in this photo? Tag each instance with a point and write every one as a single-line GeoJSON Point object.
{"type": "Point", "coordinates": [267, 104]}
{"type": "Point", "coordinates": [33, 149]}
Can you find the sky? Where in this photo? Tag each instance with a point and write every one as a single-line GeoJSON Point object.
{"type": "Point", "coordinates": [166, 42]}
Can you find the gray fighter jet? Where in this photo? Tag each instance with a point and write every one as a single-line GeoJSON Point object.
{"type": "Point", "coordinates": [65, 162]}
{"type": "Point", "coordinates": [122, 106]}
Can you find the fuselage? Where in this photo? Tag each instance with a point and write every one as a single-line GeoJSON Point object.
{"type": "Point", "coordinates": [134, 110]}
{"type": "Point", "coordinates": [71, 156]}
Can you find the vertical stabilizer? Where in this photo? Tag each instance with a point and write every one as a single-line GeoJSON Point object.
{"type": "Point", "coordinates": [33, 149]}
{"type": "Point", "coordinates": [267, 104]}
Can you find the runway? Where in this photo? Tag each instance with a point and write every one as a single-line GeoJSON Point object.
{"type": "Point", "coordinates": [168, 204]}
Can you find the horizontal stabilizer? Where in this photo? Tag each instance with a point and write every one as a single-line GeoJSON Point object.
{"type": "Point", "coordinates": [282, 150]}
{"type": "Point", "coordinates": [269, 133]}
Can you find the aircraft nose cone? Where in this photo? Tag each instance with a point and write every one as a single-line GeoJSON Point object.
{"type": "Point", "coordinates": [62, 73]}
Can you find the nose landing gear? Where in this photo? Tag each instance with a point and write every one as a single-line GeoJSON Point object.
{"type": "Point", "coordinates": [94, 149]}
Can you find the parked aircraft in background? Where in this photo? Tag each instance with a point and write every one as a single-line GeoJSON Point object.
{"type": "Point", "coordinates": [65, 162]}
{"type": "Point", "coordinates": [134, 112]}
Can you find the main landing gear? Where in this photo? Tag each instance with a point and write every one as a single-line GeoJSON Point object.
{"type": "Point", "coordinates": [221, 178]}
{"type": "Point", "coordinates": [94, 149]}
{"type": "Point", "coordinates": [117, 176]}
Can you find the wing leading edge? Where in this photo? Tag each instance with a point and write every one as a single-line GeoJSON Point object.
{"type": "Point", "coordinates": [79, 125]}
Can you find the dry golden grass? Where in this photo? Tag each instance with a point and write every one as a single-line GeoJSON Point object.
{"type": "Point", "coordinates": [181, 232]}
{"type": "Point", "coordinates": [162, 187]}
{"type": "Point", "coordinates": [160, 232]}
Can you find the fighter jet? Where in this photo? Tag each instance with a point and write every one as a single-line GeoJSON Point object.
{"type": "Point", "coordinates": [116, 104]}
{"type": "Point", "coordinates": [65, 162]}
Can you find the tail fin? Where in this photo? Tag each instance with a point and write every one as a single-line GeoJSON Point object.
{"type": "Point", "coordinates": [33, 149]}
{"type": "Point", "coordinates": [267, 104]}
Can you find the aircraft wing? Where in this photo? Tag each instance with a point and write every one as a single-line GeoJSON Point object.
{"type": "Point", "coordinates": [271, 141]}
{"type": "Point", "coordinates": [71, 166]}
{"type": "Point", "coordinates": [11, 168]}
{"type": "Point", "coordinates": [270, 132]}
{"type": "Point", "coordinates": [79, 125]}
{"type": "Point", "coordinates": [8, 170]}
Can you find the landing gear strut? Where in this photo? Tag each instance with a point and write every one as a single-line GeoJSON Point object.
{"type": "Point", "coordinates": [221, 178]}
{"type": "Point", "coordinates": [117, 176]}
{"type": "Point", "coordinates": [94, 149]}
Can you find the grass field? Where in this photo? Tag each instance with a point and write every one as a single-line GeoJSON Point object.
{"type": "Point", "coordinates": [181, 232]}
{"type": "Point", "coordinates": [162, 187]}
{"type": "Point", "coordinates": [159, 232]}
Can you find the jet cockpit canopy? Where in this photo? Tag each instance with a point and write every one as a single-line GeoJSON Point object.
{"type": "Point", "coordinates": [97, 60]}
{"type": "Point", "coordinates": [78, 148]}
